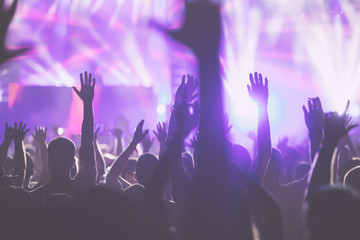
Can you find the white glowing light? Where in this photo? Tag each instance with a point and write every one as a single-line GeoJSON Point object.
{"type": "Point", "coordinates": [60, 131]}
{"type": "Point", "coordinates": [161, 109]}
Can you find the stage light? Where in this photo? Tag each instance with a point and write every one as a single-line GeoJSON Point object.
{"type": "Point", "coordinates": [161, 109]}
{"type": "Point", "coordinates": [60, 131]}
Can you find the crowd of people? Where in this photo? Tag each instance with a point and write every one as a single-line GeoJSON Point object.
{"type": "Point", "coordinates": [104, 187]}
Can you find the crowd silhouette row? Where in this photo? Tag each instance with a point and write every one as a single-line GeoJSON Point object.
{"type": "Point", "coordinates": [114, 186]}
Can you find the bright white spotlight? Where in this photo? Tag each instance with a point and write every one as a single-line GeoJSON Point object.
{"type": "Point", "coordinates": [161, 109]}
{"type": "Point", "coordinates": [60, 131]}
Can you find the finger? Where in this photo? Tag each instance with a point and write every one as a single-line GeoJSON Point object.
{"type": "Point", "coordinates": [256, 78]}
{"type": "Point", "coordinates": [81, 79]}
{"type": "Point", "coordinates": [319, 105]}
{"type": "Point", "coordinates": [45, 130]}
{"type": "Point", "coordinates": [146, 132]}
{"type": "Point", "coordinates": [260, 79]}
{"type": "Point", "coordinates": [190, 80]}
{"type": "Point", "coordinates": [183, 80]}
{"type": "Point", "coordinates": [351, 127]}
{"type": "Point", "coordinates": [20, 125]}
{"type": "Point", "coordinates": [6, 125]}
{"type": "Point", "coordinates": [90, 79]}
{"type": "Point", "coordinates": [310, 106]}
{"type": "Point", "coordinates": [77, 91]}
{"type": "Point", "coordinates": [93, 83]}
{"type": "Point", "coordinates": [305, 110]}
{"type": "Point", "coordinates": [140, 125]}
{"type": "Point", "coordinates": [86, 78]}
{"type": "Point", "coordinates": [97, 130]}
{"type": "Point", "coordinates": [26, 131]}
{"type": "Point", "coordinates": [251, 77]}
{"type": "Point", "coordinates": [266, 82]}
{"type": "Point", "coordinates": [23, 128]}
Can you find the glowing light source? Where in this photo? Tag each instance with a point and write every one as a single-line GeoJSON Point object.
{"type": "Point", "coordinates": [60, 131]}
{"type": "Point", "coordinates": [161, 109]}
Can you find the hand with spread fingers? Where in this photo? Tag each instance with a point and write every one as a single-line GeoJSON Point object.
{"type": "Point", "coordinates": [258, 89]}
{"type": "Point", "coordinates": [86, 92]}
{"type": "Point", "coordinates": [19, 133]}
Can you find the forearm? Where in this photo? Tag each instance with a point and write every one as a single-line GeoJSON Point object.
{"type": "Point", "coordinates": [120, 163]}
{"type": "Point", "coordinates": [118, 145]}
{"type": "Point", "coordinates": [3, 153]}
{"type": "Point", "coordinates": [100, 162]}
{"type": "Point", "coordinates": [87, 130]}
{"type": "Point", "coordinates": [321, 174]}
{"type": "Point", "coordinates": [264, 143]}
{"type": "Point", "coordinates": [163, 171]}
{"type": "Point", "coordinates": [315, 143]}
{"type": "Point", "coordinates": [19, 160]}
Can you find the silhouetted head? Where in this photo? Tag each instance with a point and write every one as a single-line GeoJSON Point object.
{"type": "Point", "coordinates": [145, 167]}
{"type": "Point", "coordinates": [61, 156]}
{"type": "Point", "coordinates": [334, 213]}
{"type": "Point", "coordinates": [272, 177]}
{"type": "Point", "coordinates": [352, 178]}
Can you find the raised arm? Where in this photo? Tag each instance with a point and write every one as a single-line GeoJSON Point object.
{"type": "Point", "coordinates": [119, 141]}
{"type": "Point", "coordinates": [8, 137]}
{"type": "Point", "coordinates": [259, 93]}
{"type": "Point", "coordinates": [161, 135]}
{"type": "Point", "coordinates": [120, 163]}
{"type": "Point", "coordinates": [314, 120]}
{"type": "Point", "coordinates": [6, 15]}
{"type": "Point", "coordinates": [335, 127]}
{"type": "Point", "coordinates": [40, 138]}
{"type": "Point", "coordinates": [186, 120]}
{"type": "Point", "coordinates": [19, 154]}
{"type": "Point", "coordinates": [99, 157]}
{"type": "Point", "coordinates": [87, 168]}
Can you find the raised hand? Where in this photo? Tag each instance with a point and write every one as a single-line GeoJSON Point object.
{"type": "Point", "coordinates": [258, 89]}
{"type": "Point", "coordinates": [139, 134]}
{"type": "Point", "coordinates": [86, 92]}
{"type": "Point", "coordinates": [117, 132]}
{"type": "Point", "coordinates": [20, 132]}
{"type": "Point", "coordinates": [161, 133]}
{"type": "Point", "coordinates": [314, 117]}
{"type": "Point", "coordinates": [40, 134]}
{"type": "Point", "coordinates": [5, 19]}
{"type": "Point", "coordinates": [9, 133]}
{"type": "Point", "coordinates": [186, 91]}
{"type": "Point", "coordinates": [147, 142]}
{"type": "Point", "coordinates": [336, 127]}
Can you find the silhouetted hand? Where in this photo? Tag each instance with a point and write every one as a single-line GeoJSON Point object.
{"type": "Point", "coordinates": [187, 116]}
{"type": "Point", "coordinates": [20, 132]}
{"type": "Point", "coordinates": [161, 133]}
{"type": "Point", "coordinates": [8, 134]}
{"type": "Point", "coordinates": [258, 90]}
{"type": "Point", "coordinates": [314, 117]}
{"type": "Point", "coordinates": [117, 132]}
{"type": "Point", "coordinates": [147, 142]}
{"type": "Point", "coordinates": [336, 127]}
{"type": "Point", "coordinates": [86, 92]}
{"type": "Point", "coordinates": [139, 134]}
{"type": "Point", "coordinates": [5, 19]}
{"type": "Point", "coordinates": [186, 91]}
{"type": "Point", "coordinates": [40, 134]}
